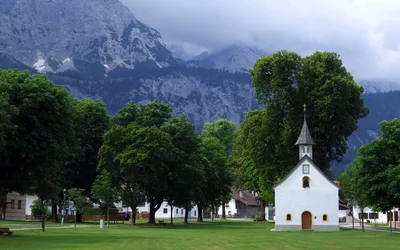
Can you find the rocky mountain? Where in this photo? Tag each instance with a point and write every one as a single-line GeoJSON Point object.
{"type": "Point", "coordinates": [59, 35]}
{"type": "Point", "coordinates": [238, 57]}
{"type": "Point", "coordinates": [98, 49]}
{"type": "Point", "coordinates": [375, 86]}
{"type": "Point", "coordinates": [382, 106]}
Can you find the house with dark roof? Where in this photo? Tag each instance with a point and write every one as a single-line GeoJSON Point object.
{"type": "Point", "coordinates": [306, 199]}
{"type": "Point", "coordinates": [243, 204]}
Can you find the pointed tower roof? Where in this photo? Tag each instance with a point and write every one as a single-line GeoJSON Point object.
{"type": "Point", "coordinates": [305, 135]}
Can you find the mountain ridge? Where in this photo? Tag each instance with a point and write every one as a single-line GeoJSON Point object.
{"type": "Point", "coordinates": [84, 32]}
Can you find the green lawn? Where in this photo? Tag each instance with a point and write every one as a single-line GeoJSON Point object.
{"type": "Point", "coordinates": [383, 227]}
{"type": "Point", "coordinates": [207, 235]}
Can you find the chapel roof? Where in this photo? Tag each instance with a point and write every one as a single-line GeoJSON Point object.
{"type": "Point", "coordinates": [305, 135]}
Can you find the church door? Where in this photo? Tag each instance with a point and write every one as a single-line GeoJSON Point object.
{"type": "Point", "coordinates": [306, 221]}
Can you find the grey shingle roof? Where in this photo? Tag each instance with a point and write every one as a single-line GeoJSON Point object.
{"type": "Point", "coordinates": [305, 136]}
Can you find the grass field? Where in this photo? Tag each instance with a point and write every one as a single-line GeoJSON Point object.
{"type": "Point", "coordinates": [207, 235]}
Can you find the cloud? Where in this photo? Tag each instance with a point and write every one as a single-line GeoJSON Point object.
{"type": "Point", "coordinates": [366, 33]}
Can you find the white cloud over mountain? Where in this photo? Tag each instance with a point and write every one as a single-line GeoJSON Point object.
{"type": "Point", "coordinates": [364, 32]}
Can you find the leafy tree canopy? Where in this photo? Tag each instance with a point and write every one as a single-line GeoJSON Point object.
{"type": "Point", "coordinates": [284, 82]}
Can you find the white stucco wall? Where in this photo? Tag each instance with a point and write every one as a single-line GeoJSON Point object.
{"type": "Point", "coordinates": [230, 209]}
{"type": "Point", "coordinates": [29, 202]}
{"type": "Point", "coordinates": [177, 211]}
{"type": "Point", "coordinates": [321, 198]}
{"type": "Point", "coordinates": [382, 217]}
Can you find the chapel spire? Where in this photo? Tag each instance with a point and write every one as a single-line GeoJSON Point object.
{"type": "Point", "coordinates": [305, 141]}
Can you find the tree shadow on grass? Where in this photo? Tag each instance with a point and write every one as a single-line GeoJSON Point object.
{"type": "Point", "coordinates": [209, 225]}
{"type": "Point", "coordinates": [67, 240]}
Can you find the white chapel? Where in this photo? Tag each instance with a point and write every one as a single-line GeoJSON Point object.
{"type": "Point", "coordinates": [306, 199]}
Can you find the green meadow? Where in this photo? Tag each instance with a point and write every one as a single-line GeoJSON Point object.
{"type": "Point", "coordinates": [207, 235]}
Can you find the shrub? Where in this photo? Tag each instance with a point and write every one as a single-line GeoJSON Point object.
{"type": "Point", "coordinates": [36, 210]}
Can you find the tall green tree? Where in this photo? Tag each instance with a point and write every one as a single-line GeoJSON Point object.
{"type": "Point", "coordinates": [353, 188]}
{"type": "Point", "coordinates": [247, 148]}
{"type": "Point", "coordinates": [91, 121]}
{"type": "Point", "coordinates": [78, 201]}
{"type": "Point", "coordinates": [138, 153]}
{"type": "Point", "coordinates": [380, 167]}
{"type": "Point", "coordinates": [224, 131]}
{"type": "Point", "coordinates": [42, 131]}
{"type": "Point", "coordinates": [149, 155]}
{"type": "Point", "coordinates": [185, 174]}
{"type": "Point", "coordinates": [104, 192]}
{"type": "Point", "coordinates": [284, 82]}
{"type": "Point", "coordinates": [217, 182]}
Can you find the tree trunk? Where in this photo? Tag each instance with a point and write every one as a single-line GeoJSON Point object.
{"type": "Point", "coordinates": [108, 216]}
{"type": "Point", "coordinates": [223, 211]}
{"type": "Point", "coordinates": [43, 215]}
{"type": "Point", "coordinates": [362, 219]}
{"type": "Point", "coordinates": [200, 213]}
{"type": "Point", "coordinates": [54, 212]}
{"type": "Point", "coordinates": [133, 207]}
{"type": "Point", "coordinates": [186, 215]}
{"type": "Point", "coordinates": [262, 208]}
{"type": "Point", "coordinates": [172, 219]}
{"type": "Point", "coordinates": [154, 206]}
{"type": "Point", "coordinates": [352, 215]}
{"type": "Point", "coordinates": [78, 217]}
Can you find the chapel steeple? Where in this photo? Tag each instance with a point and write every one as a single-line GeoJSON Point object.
{"type": "Point", "coordinates": [305, 141]}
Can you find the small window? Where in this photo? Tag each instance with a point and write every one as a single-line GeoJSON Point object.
{"type": "Point", "coordinates": [325, 217]}
{"type": "Point", "coordinates": [177, 211]}
{"type": "Point", "coordinates": [288, 217]}
{"type": "Point", "coordinates": [12, 203]}
{"type": "Point", "coordinates": [181, 211]}
{"type": "Point", "coordinates": [362, 215]}
{"type": "Point", "coordinates": [165, 210]}
{"type": "Point", "coordinates": [194, 213]}
{"type": "Point", "coordinates": [373, 216]}
{"type": "Point", "coordinates": [306, 169]}
{"type": "Point", "coordinates": [19, 204]}
{"type": "Point", "coordinates": [306, 182]}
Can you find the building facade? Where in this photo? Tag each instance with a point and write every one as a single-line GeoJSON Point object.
{"type": "Point", "coordinates": [306, 199]}
{"type": "Point", "coordinates": [13, 206]}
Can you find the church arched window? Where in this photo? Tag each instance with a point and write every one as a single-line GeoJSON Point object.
{"type": "Point", "coordinates": [288, 217]}
{"type": "Point", "coordinates": [306, 182]}
{"type": "Point", "coordinates": [325, 217]}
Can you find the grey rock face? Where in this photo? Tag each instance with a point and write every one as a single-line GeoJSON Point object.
{"type": "Point", "coordinates": [193, 94]}
{"type": "Point", "coordinates": [238, 57]}
{"type": "Point", "coordinates": [55, 35]}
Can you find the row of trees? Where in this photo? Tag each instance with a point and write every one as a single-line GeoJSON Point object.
{"type": "Point", "coordinates": [150, 154]}
{"type": "Point", "coordinates": [50, 141]}
{"type": "Point", "coordinates": [372, 179]}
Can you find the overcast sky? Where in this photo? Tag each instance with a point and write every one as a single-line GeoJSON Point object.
{"type": "Point", "coordinates": [366, 33]}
